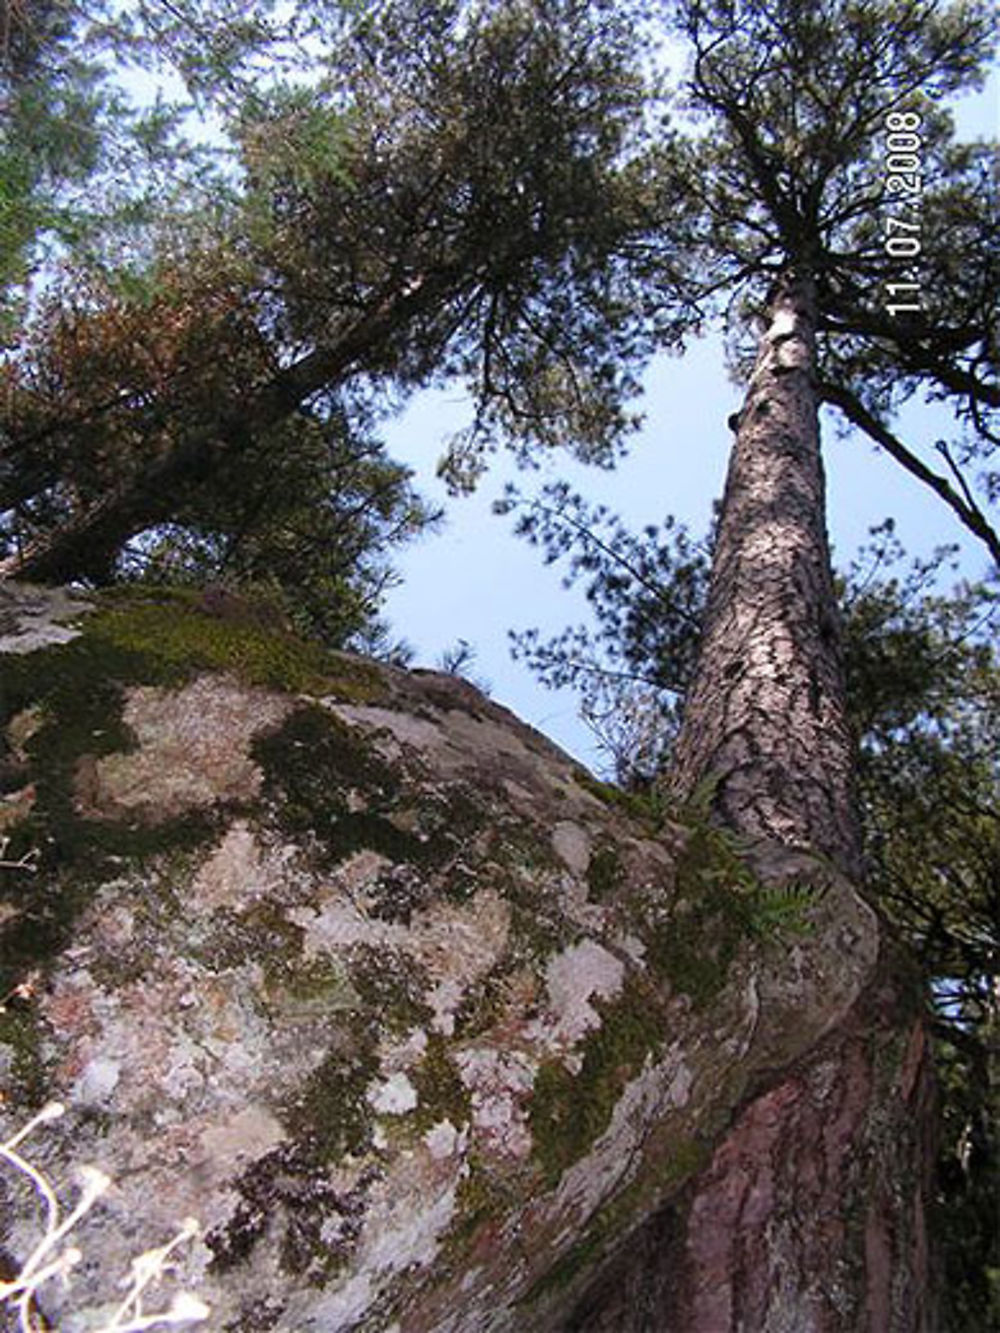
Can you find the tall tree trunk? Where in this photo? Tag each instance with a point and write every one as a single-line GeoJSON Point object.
{"type": "Point", "coordinates": [810, 1216]}
{"type": "Point", "coordinates": [765, 717]}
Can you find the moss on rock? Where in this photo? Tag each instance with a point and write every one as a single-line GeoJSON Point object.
{"type": "Point", "coordinates": [605, 872]}
{"type": "Point", "coordinates": [327, 784]}
{"type": "Point", "coordinates": [392, 986]}
{"type": "Point", "coordinates": [330, 1115]}
{"type": "Point", "coordinates": [441, 1093]}
{"type": "Point", "coordinates": [348, 997]}
{"type": "Point", "coordinates": [181, 632]}
{"type": "Point", "coordinates": [570, 1109]}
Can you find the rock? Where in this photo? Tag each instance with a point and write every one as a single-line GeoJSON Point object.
{"type": "Point", "coordinates": [427, 1027]}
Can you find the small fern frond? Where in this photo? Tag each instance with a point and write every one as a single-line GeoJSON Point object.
{"type": "Point", "coordinates": [782, 909]}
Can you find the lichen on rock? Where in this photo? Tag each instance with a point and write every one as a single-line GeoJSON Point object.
{"type": "Point", "coordinates": [362, 971]}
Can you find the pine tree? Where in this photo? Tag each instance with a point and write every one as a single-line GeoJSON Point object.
{"type": "Point", "coordinates": [452, 199]}
{"type": "Point", "coordinates": [922, 695]}
{"type": "Point", "coordinates": [792, 169]}
{"type": "Point", "coordinates": [796, 194]}
{"type": "Point", "coordinates": [796, 100]}
{"type": "Point", "coordinates": [797, 169]}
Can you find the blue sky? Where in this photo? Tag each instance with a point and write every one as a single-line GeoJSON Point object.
{"type": "Point", "coordinates": [475, 580]}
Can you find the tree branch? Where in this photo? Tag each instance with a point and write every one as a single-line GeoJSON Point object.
{"type": "Point", "coordinates": [856, 412]}
{"type": "Point", "coordinates": [87, 539]}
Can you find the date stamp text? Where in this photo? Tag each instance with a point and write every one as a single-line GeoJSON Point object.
{"type": "Point", "coordinates": [903, 185]}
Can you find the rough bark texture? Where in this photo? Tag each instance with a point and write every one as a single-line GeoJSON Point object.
{"type": "Point", "coordinates": [765, 716]}
{"type": "Point", "coordinates": [810, 1215]}
{"type": "Point", "coordinates": [434, 1033]}
{"type": "Point", "coordinates": [803, 1221]}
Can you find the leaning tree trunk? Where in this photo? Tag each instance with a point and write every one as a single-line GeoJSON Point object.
{"type": "Point", "coordinates": [810, 1217]}
{"type": "Point", "coordinates": [89, 541]}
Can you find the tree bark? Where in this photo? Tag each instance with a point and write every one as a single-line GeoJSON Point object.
{"type": "Point", "coordinates": [765, 718]}
{"type": "Point", "coordinates": [810, 1216]}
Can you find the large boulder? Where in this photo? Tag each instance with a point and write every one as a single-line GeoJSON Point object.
{"type": "Point", "coordinates": [429, 1029]}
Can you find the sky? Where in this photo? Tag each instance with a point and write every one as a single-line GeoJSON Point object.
{"type": "Point", "coordinates": [475, 581]}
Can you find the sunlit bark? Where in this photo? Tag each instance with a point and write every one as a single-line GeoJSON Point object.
{"type": "Point", "coordinates": [765, 717]}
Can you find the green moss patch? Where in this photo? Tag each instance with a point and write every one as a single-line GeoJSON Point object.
{"type": "Point", "coordinates": [483, 1198]}
{"type": "Point", "coordinates": [647, 807]}
{"type": "Point", "coordinates": [694, 949]}
{"type": "Point", "coordinates": [77, 692]}
{"type": "Point", "coordinates": [330, 1116]}
{"type": "Point", "coordinates": [576, 1260]}
{"type": "Point", "coordinates": [604, 872]}
{"type": "Point", "coordinates": [322, 982]}
{"type": "Point", "coordinates": [441, 1092]}
{"type": "Point", "coordinates": [181, 632]}
{"type": "Point", "coordinates": [530, 869]}
{"type": "Point", "coordinates": [19, 1032]}
{"type": "Point", "coordinates": [569, 1112]}
{"type": "Point", "coordinates": [260, 933]}
{"type": "Point", "coordinates": [391, 986]}
{"type": "Point", "coordinates": [721, 905]}
{"type": "Point", "coordinates": [325, 783]}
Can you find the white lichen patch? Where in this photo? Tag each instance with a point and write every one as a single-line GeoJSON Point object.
{"type": "Point", "coordinates": [196, 1070]}
{"type": "Point", "coordinates": [33, 617]}
{"type": "Point", "coordinates": [575, 903]}
{"type": "Point", "coordinates": [461, 942]}
{"type": "Point", "coordinates": [572, 845]}
{"type": "Point", "coordinates": [457, 943]}
{"type": "Point", "coordinates": [97, 1082]}
{"type": "Point", "coordinates": [633, 948]}
{"type": "Point", "coordinates": [609, 1166]}
{"type": "Point", "coordinates": [404, 1226]}
{"type": "Point", "coordinates": [230, 1143]}
{"type": "Point", "coordinates": [452, 740]}
{"type": "Point", "coordinates": [193, 750]}
{"type": "Point", "coordinates": [408, 1215]}
{"type": "Point", "coordinates": [573, 978]}
{"type": "Point", "coordinates": [499, 1084]}
{"type": "Point", "coordinates": [239, 871]}
{"type": "Point", "coordinates": [338, 924]}
{"type": "Point", "coordinates": [136, 1052]}
{"type": "Point", "coordinates": [16, 806]}
{"type": "Point", "coordinates": [22, 726]}
{"type": "Point", "coordinates": [443, 1140]}
{"type": "Point", "coordinates": [443, 1002]}
{"type": "Point", "coordinates": [361, 869]}
{"type": "Point", "coordinates": [114, 923]}
{"type": "Point", "coordinates": [395, 1095]}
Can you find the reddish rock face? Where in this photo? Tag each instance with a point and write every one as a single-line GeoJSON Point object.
{"type": "Point", "coordinates": [429, 1030]}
